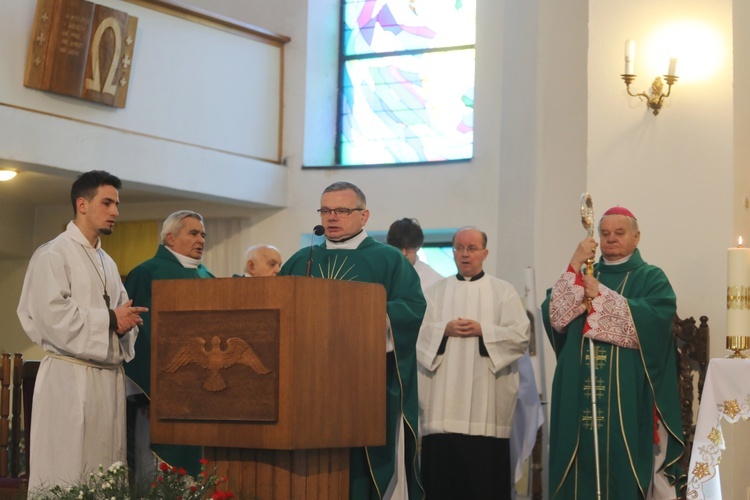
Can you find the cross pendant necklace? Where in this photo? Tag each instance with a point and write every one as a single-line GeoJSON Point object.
{"type": "Point", "coordinates": [104, 279]}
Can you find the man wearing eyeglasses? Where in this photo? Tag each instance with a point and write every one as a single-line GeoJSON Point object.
{"type": "Point", "coordinates": [348, 253]}
{"type": "Point", "coordinates": [474, 331]}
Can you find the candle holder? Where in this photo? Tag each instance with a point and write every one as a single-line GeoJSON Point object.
{"type": "Point", "coordinates": [738, 344]}
{"type": "Point", "coordinates": [656, 99]}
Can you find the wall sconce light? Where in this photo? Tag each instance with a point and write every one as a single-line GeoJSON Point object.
{"type": "Point", "coordinates": [656, 99]}
{"type": "Point", "coordinates": [7, 174]}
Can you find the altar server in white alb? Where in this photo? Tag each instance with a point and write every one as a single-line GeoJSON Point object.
{"type": "Point", "coordinates": [474, 331]}
{"type": "Point", "coordinates": [73, 305]}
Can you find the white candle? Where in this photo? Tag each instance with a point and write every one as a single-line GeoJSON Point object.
{"type": "Point", "coordinates": [672, 66]}
{"type": "Point", "coordinates": [629, 57]}
{"type": "Point", "coordinates": [738, 291]}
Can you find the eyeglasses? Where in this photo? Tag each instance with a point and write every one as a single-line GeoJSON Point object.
{"type": "Point", "coordinates": [339, 212]}
{"type": "Point", "coordinates": [471, 249]}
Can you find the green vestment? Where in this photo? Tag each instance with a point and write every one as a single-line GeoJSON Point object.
{"type": "Point", "coordinates": [163, 266]}
{"type": "Point", "coordinates": [371, 468]}
{"type": "Point", "coordinates": [630, 383]}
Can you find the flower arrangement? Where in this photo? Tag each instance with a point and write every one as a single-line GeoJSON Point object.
{"type": "Point", "coordinates": [176, 483]}
{"type": "Point", "coordinates": [171, 483]}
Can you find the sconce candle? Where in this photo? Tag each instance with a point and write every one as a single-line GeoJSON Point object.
{"type": "Point", "coordinates": [654, 100]}
{"type": "Point", "coordinates": [738, 291]}
{"type": "Point", "coordinates": [672, 66]}
{"type": "Point", "coordinates": [629, 57]}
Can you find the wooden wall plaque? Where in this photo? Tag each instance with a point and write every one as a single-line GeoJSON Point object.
{"type": "Point", "coordinates": [81, 49]}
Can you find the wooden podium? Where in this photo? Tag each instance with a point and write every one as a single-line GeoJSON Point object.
{"type": "Point", "coordinates": [276, 377]}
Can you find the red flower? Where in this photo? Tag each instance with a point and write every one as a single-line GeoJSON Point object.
{"type": "Point", "coordinates": [163, 466]}
{"type": "Point", "coordinates": [160, 479]}
{"type": "Point", "coordinates": [193, 489]}
{"type": "Point", "coordinates": [204, 461]}
{"type": "Point", "coordinates": [181, 471]}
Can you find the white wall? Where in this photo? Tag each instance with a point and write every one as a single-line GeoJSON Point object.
{"type": "Point", "coordinates": [444, 196]}
{"type": "Point", "coordinates": [675, 171]}
{"type": "Point", "coordinates": [15, 226]}
{"type": "Point", "coordinates": [227, 140]}
{"type": "Point", "coordinates": [741, 61]}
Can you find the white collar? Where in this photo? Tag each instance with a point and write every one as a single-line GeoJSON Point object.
{"type": "Point", "coordinates": [615, 262]}
{"type": "Point", "coordinates": [350, 244]}
{"type": "Point", "coordinates": [77, 235]}
{"type": "Point", "coordinates": [187, 262]}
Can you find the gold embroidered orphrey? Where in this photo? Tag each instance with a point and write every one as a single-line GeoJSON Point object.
{"type": "Point", "coordinates": [216, 359]}
{"type": "Point", "coordinates": [336, 271]}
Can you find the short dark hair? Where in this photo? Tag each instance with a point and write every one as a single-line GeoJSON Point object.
{"type": "Point", "coordinates": [343, 186]}
{"type": "Point", "coordinates": [405, 233]}
{"type": "Point", "coordinates": [88, 183]}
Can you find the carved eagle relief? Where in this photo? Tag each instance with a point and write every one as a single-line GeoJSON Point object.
{"type": "Point", "coordinates": [216, 359]}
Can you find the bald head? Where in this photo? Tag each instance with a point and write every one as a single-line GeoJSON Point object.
{"type": "Point", "coordinates": [262, 260]}
{"type": "Point", "coordinates": [469, 251]}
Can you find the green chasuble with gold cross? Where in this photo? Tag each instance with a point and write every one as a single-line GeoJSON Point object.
{"type": "Point", "coordinates": [371, 468]}
{"type": "Point", "coordinates": [630, 385]}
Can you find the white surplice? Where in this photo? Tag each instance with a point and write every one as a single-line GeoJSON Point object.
{"type": "Point", "coordinates": [78, 418]}
{"type": "Point", "coordinates": [461, 391]}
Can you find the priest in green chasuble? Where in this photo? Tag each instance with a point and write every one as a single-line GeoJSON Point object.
{"type": "Point", "coordinates": [389, 471]}
{"type": "Point", "coordinates": [183, 237]}
{"type": "Point", "coordinates": [640, 436]}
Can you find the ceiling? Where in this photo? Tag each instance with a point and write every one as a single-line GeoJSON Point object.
{"type": "Point", "coordinates": [42, 189]}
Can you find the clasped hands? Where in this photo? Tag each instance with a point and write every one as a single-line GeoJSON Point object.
{"type": "Point", "coordinates": [586, 250]}
{"type": "Point", "coordinates": [462, 327]}
{"type": "Point", "coordinates": [128, 317]}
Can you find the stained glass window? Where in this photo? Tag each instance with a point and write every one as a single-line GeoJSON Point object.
{"type": "Point", "coordinates": [407, 81]}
